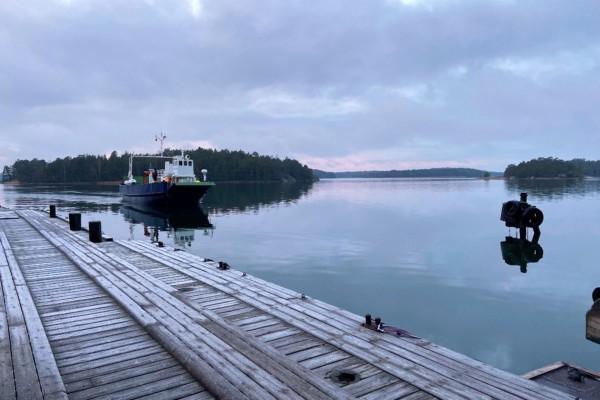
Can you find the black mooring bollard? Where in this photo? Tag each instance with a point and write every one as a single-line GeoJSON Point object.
{"type": "Point", "coordinates": [368, 320]}
{"type": "Point", "coordinates": [52, 211]}
{"type": "Point", "coordinates": [75, 221]}
{"type": "Point", "coordinates": [95, 228]}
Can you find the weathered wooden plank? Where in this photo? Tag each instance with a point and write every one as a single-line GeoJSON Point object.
{"type": "Point", "coordinates": [92, 341]}
{"type": "Point", "coordinates": [47, 371]}
{"type": "Point", "coordinates": [543, 370]}
{"type": "Point", "coordinates": [148, 383]}
{"type": "Point", "coordinates": [95, 330]}
{"type": "Point", "coordinates": [299, 346]}
{"type": "Point", "coordinates": [353, 364]}
{"type": "Point", "coordinates": [88, 376]}
{"type": "Point", "coordinates": [243, 310]}
{"type": "Point", "coordinates": [97, 347]}
{"type": "Point", "coordinates": [109, 360]}
{"type": "Point", "coordinates": [83, 318]}
{"type": "Point", "coordinates": [179, 392]}
{"type": "Point", "coordinates": [293, 338]}
{"type": "Point", "coordinates": [7, 388]}
{"type": "Point", "coordinates": [77, 311]}
{"type": "Point", "coordinates": [255, 326]}
{"type": "Point", "coordinates": [66, 294]}
{"type": "Point", "coordinates": [84, 339]}
{"type": "Point", "coordinates": [74, 328]}
{"type": "Point", "coordinates": [154, 387]}
{"type": "Point", "coordinates": [25, 374]}
{"type": "Point", "coordinates": [199, 396]}
{"type": "Point", "coordinates": [326, 359]}
{"type": "Point", "coordinates": [374, 383]}
{"type": "Point", "coordinates": [418, 396]}
{"type": "Point", "coordinates": [267, 337]}
{"type": "Point", "coordinates": [108, 351]}
{"type": "Point", "coordinates": [218, 306]}
{"type": "Point", "coordinates": [70, 306]}
{"type": "Point", "coordinates": [250, 320]}
{"type": "Point", "coordinates": [399, 390]}
{"type": "Point", "coordinates": [120, 374]}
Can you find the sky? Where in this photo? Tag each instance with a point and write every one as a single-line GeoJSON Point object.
{"type": "Point", "coordinates": [338, 84]}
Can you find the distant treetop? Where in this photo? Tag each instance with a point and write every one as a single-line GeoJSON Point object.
{"type": "Point", "coordinates": [551, 167]}
{"type": "Point", "coordinates": [222, 165]}
{"type": "Point", "coordinates": [411, 173]}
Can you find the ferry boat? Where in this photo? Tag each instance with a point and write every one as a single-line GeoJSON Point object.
{"type": "Point", "coordinates": [176, 184]}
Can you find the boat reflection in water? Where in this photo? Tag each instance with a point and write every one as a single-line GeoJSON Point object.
{"type": "Point", "coordinates": [180, 224]}
{"type": "Point", "coordinates": [520, 252]}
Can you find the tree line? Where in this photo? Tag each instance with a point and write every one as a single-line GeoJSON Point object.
{"type": "Point", "coordinates": [410, 173]}
{"type": "Point", "coordinates": [222, 165]}
{"type": "Point", "coordinates": [552, 167]}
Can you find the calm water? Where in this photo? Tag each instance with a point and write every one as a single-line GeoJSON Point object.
{"type": "Point", "coordinates": [423, 254]}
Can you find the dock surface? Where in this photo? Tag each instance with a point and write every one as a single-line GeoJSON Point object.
{"type": "Point", "coordinates": [128, 319]}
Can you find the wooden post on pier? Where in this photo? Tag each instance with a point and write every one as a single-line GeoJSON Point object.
{"type": "Point", "coordinates": [75, 221]}
{"type": "Point", "coordinates": [95, 228]}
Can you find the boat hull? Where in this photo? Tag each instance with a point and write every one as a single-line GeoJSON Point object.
{"type": "Point", "coordinates": [163, 193]}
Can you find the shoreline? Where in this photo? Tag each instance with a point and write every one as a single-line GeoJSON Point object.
{"type": "Point", "coordinates": [492, 178]}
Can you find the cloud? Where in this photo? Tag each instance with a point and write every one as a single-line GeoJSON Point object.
{"type": "Point", "coordinates": [542, 68]}
{"type": "Point", "coordinates": [281, 104]}
{"type": "Point", "coordinates": [489, 82]}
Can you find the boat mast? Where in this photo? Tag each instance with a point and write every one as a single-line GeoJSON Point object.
{"type": "Point", "coordinates": [130, 175]}
{"type": "Point", "coordinates": [160, 138]}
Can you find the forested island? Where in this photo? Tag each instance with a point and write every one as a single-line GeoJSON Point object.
{"type": "Point", "coordinates": [231, 166]}
{"type": "Point", "coordinates": [412, 173]}
{"type": "Point", "coordinates": [222, 165]}
{"type": "Point", "coordinates": [551, 167]}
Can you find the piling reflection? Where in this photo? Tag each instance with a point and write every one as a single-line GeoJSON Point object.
{"type": "Point", "coordinates": [180, 224]}
{"type": "Point", "coordinates": [521, 251]}
{"type": "Point", "coordinates": [592, 319]}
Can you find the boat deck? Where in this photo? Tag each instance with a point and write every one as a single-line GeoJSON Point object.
{"type": "Point", "coordinates": [127, 319]}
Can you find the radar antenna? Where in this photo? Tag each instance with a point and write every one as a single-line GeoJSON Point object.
{"type": "Point", "coordinates": [160, 138]}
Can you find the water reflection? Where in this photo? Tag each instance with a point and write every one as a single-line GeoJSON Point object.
{"type": "Point", "coordinates": [180, 224]}
{"type": "Point", "coordinates": [520, 252]}
{"type": "Point", "coordinates": [553, 188]}
{"type": "Point", "coordinates": [592, 318]}
{"type": "Point", "coordinates": [85, 198]}
{"type": "Point", "coordinates": [228, 198]}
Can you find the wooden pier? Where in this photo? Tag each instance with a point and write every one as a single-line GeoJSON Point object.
{"type": "Point", "coordinates": [127, 320]}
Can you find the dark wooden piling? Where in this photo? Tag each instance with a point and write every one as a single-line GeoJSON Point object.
{"type": "Point", "coordinates": [75, 221]}
{"type": "Point", "coordinates": [95, 231]}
